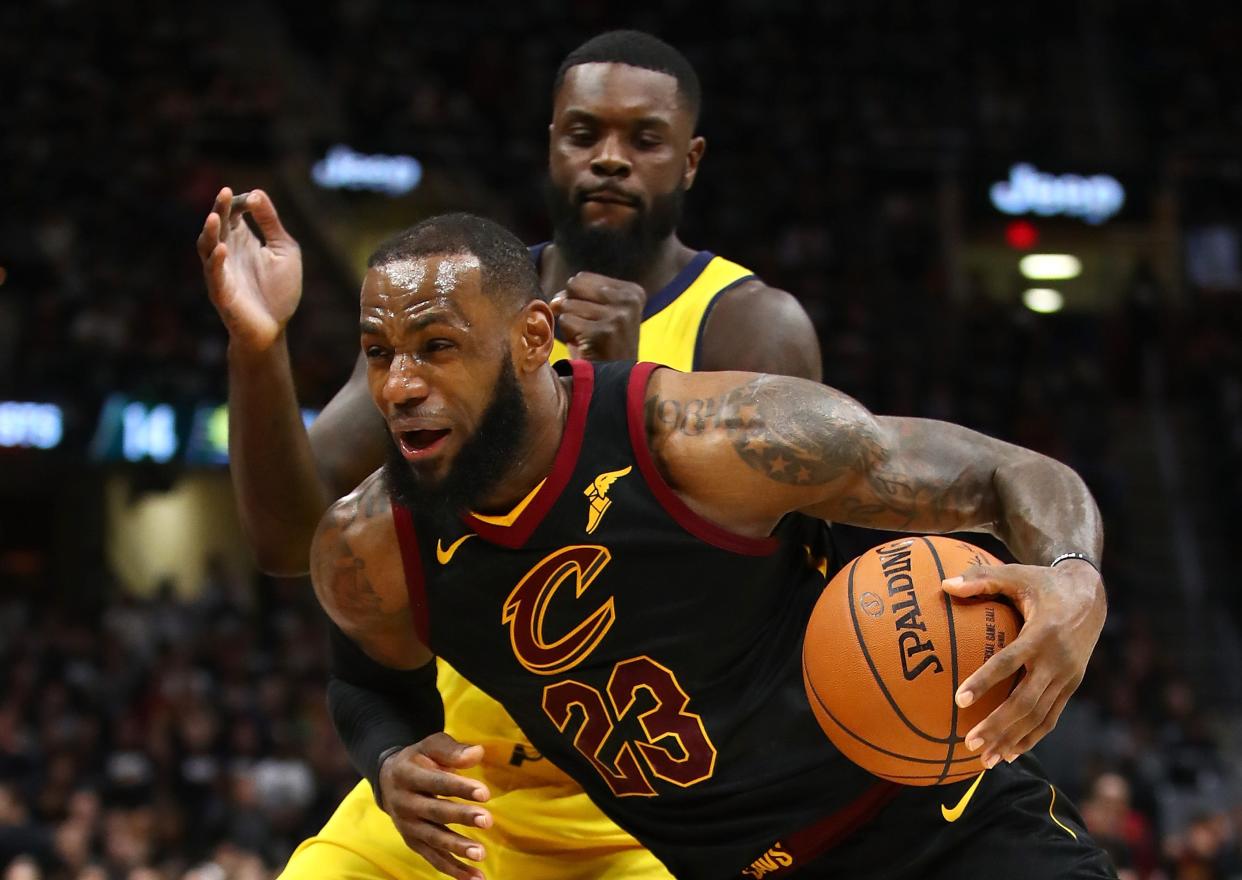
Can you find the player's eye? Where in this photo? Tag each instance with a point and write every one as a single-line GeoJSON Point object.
{"type": "Point", "coordinates": [439, 344]}
{"type": "Point", "coordinates": [649, 141]}
{"type": "Point", "coordinates": [581, 136]}
{"type": "Point", "coordinates": [375, 352]}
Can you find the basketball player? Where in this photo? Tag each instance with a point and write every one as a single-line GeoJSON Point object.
{"type": "Point", "coordinates": [622, 153]}
{"type": "Point", "coordinates": [629, 579]}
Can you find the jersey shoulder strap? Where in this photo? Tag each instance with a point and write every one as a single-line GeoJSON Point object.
{"type": "Point", "coordinates": [672, 331]}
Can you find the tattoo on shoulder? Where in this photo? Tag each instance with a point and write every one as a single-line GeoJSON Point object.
{"type": "Point", "coordinates": [352, 590]}
{"type": "Point", "coordinates": [375, 499]}
{"type": "Point", "coordinates": [769, 431]}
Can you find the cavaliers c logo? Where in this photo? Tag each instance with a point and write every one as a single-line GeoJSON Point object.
{"type": "Point", "coordinates": [526, 606]}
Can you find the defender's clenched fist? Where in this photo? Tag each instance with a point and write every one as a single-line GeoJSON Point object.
{"type": "Point", "coordinates": [599, 317]}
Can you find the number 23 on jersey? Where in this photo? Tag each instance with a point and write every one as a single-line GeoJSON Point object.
{"type": "Point", "coordinates": [674, 746]}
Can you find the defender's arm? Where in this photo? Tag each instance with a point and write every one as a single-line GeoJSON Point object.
{"type": "Point", "coordinates": [284, 477]}
{"type": "Point", "coordinates": [284, 480]}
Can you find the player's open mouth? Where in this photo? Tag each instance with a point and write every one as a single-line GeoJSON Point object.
{"type": "Point", "coordinates": [418, 444]}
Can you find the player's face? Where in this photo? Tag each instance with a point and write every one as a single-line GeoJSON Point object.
{"type": "Point", "coordinates": [620, 139]}
{"type": "Point", "coordinates": [437, 350]}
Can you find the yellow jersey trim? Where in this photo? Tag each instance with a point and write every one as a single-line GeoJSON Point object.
{"type": "Point", "coordinates": [675, 316]}
{"type": "Point", "coordinates": [509, 518]}
{"type": "Point", "coordinates": [1060, 824]}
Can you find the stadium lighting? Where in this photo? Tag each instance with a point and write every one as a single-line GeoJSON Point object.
{"type": "Point", "coordinates": [1050, 267]}
{"type": "Point", "coordinates": [1030, 191]}
{"type": "Point", "coordinates": [344, 168]}
{"type": "Point", "coordinates": [1043, 300]}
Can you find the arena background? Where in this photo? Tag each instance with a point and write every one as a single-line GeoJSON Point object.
{"type": "Point", "coordinates": [161, 705]}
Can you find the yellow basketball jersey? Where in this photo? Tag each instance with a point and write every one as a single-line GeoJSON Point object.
{"type": "Point", "coordinates": [674, 316]}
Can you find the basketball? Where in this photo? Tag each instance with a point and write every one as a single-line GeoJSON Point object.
{"type": "Point", "coordinates": [885, 651]}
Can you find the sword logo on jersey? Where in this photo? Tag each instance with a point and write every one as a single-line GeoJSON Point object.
{"type": "Point", "coordinates": [674, 745]}
{"type": "Point", "coordinates": [597, 492]}
{"type": "Point", "coordinates": [527, 605]}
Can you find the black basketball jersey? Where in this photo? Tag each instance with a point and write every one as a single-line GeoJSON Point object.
{"type": "Point", "coordinates": [651, 654]}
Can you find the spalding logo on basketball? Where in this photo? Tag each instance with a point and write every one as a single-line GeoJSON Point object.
{"type": "Point", "coordinates": [885, 651]}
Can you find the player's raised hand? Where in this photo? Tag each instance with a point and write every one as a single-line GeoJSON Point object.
{"type": "Point", "coordinates": [1063, 610]}
{"type": "Point", "coordinates": [254, 284]}
{"type": "Point", "coordinates": [600, 316]}
{"type": "Point", "coordinates": [414, 783]}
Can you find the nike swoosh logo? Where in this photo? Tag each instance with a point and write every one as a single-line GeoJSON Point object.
{"type": "Point", "coordinates": [956, 813]}
{"type": "Point", "coordinates": [443, 556]}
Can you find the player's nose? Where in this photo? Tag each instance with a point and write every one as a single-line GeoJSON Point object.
{"type": "Point", "coordinates": [611, 160]}
{"type": "Point", "coordinates": [405, 383]}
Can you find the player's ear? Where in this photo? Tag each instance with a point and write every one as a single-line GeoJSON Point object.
{"type": "Point", "coordinates": [698, 146]}
{"type": "Point", "coordinates": [536, 328]}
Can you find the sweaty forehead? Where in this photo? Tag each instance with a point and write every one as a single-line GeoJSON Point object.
{"type": "Point", "coordinates": [418, 282]}
{"type": "Point", "coordinates": [611, 88]}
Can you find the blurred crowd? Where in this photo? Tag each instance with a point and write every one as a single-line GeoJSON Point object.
{"type": "Point", "coordinates": [163, 738]}
{"type": "Point", "coordinates": [174, 738]}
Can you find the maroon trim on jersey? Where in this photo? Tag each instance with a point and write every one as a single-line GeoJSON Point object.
{"type": "Point", "coordinates": [412, 564]}
{"type": "Point", "coordinates": [703, 529]}
{"type": "Point", "coordinates": [519, 531]}
{"type": "Point", "coordinates": [812, 842]}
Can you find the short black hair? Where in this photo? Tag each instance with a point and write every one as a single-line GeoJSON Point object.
{"type": "Point", "coordinates": [637, 49]}
{"type": "Point", "coordinates": [507, 270]}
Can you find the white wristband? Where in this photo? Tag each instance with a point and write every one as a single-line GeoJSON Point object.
{"type": "Point", "coordinates": [1084, 557]}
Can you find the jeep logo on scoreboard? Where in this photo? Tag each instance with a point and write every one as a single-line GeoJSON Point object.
{"type": "Point", "coordinates": [1028, 190]}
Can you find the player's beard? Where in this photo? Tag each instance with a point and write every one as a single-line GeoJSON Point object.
{"type": "Point", "coordinates": [481, 464]}
{"type": "Point", "coordinates": [623, 253]}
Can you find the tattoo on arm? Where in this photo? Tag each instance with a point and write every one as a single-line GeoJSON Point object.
{"type": "Point", "coordinates": [782, 442]}
{"type": "Point", "coordinates": [790, 440]}
{"type": "Point", "coordinates": [353, 593]}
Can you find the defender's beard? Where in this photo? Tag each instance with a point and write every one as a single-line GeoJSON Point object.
{"type": "Point", "coordinates": [623, 253]}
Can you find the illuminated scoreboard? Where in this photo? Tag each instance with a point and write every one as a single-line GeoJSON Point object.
{"type": "Point", "coordinates": [137, 430]}
{"type": "Point", "coordinates": [30, 425]}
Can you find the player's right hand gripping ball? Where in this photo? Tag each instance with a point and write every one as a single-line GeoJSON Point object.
{"type": "Point", "coordinates": [885, 651]}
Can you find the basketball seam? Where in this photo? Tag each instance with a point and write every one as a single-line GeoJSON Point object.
{"type": "Point", "coordinates": [818, 699]}
{"type": "Point", "coordinates": [948, 611]}
{"type": "Point", "coordinates": [875, 673]}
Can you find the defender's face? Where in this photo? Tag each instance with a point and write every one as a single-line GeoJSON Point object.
{"type": "Point", "coordinates": [619, 138]}
{"type": "Point", "coordinates": [434, 346]}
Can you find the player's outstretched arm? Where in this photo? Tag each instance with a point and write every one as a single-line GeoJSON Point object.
{"type": "Point", "coordinates": [382, 690]}
{"type": "Point", "coordinates": [745, 449]}
{"type": "Point", "coordinates": [284, 480]}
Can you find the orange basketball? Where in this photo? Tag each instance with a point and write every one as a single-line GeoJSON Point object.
{"type": "Point", "coordinates": [885, 651]}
